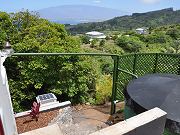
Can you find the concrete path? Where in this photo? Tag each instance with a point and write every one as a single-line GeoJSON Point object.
{"type": "Point", "coordinates": [82, 122]}
{"type": "Point", "coordinates": [49, 130]}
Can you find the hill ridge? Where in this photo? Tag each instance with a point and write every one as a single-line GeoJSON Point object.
{"type": "Point", "coordinates": [79, 13]}
{"type": "Point", "coordinates": [149, 19]}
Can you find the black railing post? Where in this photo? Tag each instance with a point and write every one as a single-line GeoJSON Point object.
{"type": "Point", "coordinates": [179, 66]}
{"type": "Point", "coordinates": [156, 63]}
{"type": "Point", "coordinates": [115, 81]}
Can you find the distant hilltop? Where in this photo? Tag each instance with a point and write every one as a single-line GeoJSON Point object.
{"type": "Point", "coordinates": [166, 10]}
{"type": "Point", "coordinates": [74, 14]}
{"type": "Point", "coordinates": [136, 20]}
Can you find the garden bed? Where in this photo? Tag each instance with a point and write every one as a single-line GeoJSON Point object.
{"type": "Point", "coordinates": [75, 120]}
{"type": "Point", "coordinates": [26, 123]}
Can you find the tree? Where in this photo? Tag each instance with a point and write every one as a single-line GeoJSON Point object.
{"type": "Point", "coordinates": [130, 44]}
{"type": "Point", "coordinates": [7, 30]}
{"type": "Point", "coordinates": [25, 19]}
{"type": "Point", "coordinates": [85, 39]}
{"type": "Point", "coordinates": [69, 77]}
{"type": "Point", "coordinates": [173, 33]}
{"type": "Point", "coordinates": [176, 45]}
{"type": "Point", "coordinates": [93, 43]}
{"type": "Point", "coordinates": [158, 37]}
{"type": "Point", "coordinates": [102, 43]}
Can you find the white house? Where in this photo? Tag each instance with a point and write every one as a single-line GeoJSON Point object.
{"type": "Point", "coordinates": [96, 35]}
{"type": "Point", "coordinates": [141, 30]}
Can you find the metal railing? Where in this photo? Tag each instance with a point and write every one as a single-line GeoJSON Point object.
{"type": "Point", "coordinates": [128, 67]}
{"type": "Point", "coordinates": [133, 65]}
{"type": "Point", "coordinates": [115, 57]}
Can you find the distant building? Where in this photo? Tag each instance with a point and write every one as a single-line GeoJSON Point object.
{"type": "Point", "coordinates": [96, 35]}
{"type": "Point", "coordinates": [141, 30]}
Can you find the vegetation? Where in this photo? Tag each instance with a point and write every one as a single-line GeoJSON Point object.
{"type": "Point", "coordinates": [35, 111]}
{"type": "Point", "coordinates": [79, 79]}
{"type": "Point", "coordinates": [103, 88]}
{"type": "Point", "coordinates": [150, 19]}
{"type": "Point", "coordinates": [102, 43]}
{"type": "Point", "coordinates": [85, 39]}
{"type": "Point", "coordinates": [129, 44]}
{"type": "Point", "coordinates": [70, 78]}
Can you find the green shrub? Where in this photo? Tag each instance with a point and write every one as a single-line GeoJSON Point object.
{"type": "Point", "coordinates": [85, 39]}
{"type": "Point", "coordinates": [102, 43]}
{"type": "Point", "coordinates": [103, 89]}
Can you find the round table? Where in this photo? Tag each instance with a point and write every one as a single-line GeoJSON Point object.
{"type": "Point", "coordinates": [157, 90]}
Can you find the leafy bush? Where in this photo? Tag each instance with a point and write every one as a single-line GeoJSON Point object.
{"type": "Point", "coordinates": [129, 44]}
{"type": "Point", "coordinates": [93, 43]}
{"type": "Point", "coordinates": [85, 39]}
{"type": "Point", "coordinates": [157, 38]}
{"type": "Point", "coordinates": [113, 49]}
{"type": "Point", "coordinates": [103, 89]}
{"type": "Point", "coordinates": [102, 43]}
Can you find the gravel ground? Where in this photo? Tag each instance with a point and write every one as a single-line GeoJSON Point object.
{"type": "Point", "coordinates": [81, 120]}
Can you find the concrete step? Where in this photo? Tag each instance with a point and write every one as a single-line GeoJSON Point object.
{"type": "Point", "coordinates": [49, 130]}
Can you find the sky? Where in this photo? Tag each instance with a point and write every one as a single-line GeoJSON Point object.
{"type": "Point", "coordinates": [130, 6]}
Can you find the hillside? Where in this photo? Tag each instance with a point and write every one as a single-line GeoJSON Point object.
{"type": "Point", "coordinates": [149, 19]}
{"type": "Point", "coordinates": [74, 14]}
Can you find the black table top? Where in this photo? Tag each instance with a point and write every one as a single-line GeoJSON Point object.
{"type": "Point", "coordinates": [157, 90]}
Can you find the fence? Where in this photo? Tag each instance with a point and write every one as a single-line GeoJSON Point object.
{"type": "Point", "coordinates": [32, 74]}
{"type": "Point", "coordinates": [133, 65]}
{"type": "Point", "coordinates": [126, 67]}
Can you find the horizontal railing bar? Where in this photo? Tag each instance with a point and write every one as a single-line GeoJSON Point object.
{"type": "Point", "coordinates": [63, 54]}
{"type": "Point", "coordinates": [90, 54]}
{"type": "Point", "coordinates": [170, 54]}
{"type": "Point", "coordinates": [132, 54]}
{"type": "Point", "coordinates": [128, 73]}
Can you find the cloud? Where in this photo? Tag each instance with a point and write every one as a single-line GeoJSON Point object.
{"type": "Point", "coordinates": [97, 1]}
{"type": "Point", "coordinates": [150, 1]}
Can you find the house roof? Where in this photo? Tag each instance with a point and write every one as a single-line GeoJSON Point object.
{"type": "Point", "coordinates": [139, 29]}
{"type": "Point", "coordinates": [94, 33]}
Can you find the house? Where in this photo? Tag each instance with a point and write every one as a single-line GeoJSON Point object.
{"type": "Point", "coordinates": [96, 35]}
{"type": "Point", "coordinates": [141, 30]}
